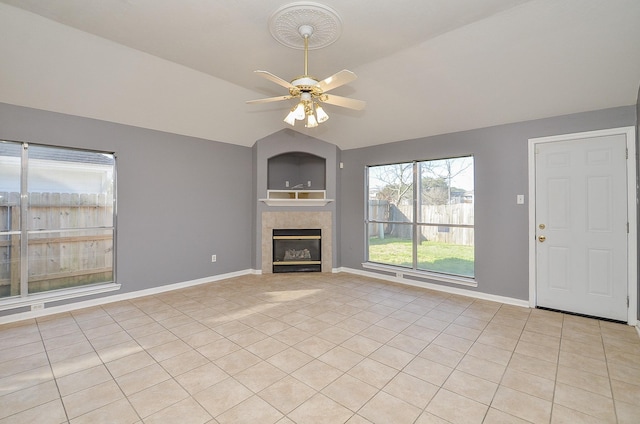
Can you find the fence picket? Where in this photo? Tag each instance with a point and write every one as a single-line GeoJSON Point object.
{"type": "Point", "coordinates": [456, 214]}
{"type": "Point", "coordinates": [60, 259]}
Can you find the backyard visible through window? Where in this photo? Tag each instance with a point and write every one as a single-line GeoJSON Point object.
{"type": "Point", "coordinates": [56, 218]}
{"type": "Point", "coordinates": [435, 232]}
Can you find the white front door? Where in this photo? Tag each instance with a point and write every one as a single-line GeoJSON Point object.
{"type": "Point", "coordinates": [581, 220]}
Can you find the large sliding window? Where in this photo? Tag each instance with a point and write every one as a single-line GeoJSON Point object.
{"type": "Point", "coordinates": [420, 216]}
{"type": "Point", "coordinates": [57, 219]}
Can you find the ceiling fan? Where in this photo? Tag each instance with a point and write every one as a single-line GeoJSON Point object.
{"type": "Point", "coordinates": [311, 91]}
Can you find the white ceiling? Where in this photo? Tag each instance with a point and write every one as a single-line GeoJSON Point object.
{"type": "Point", "coordinates": [424, 67]}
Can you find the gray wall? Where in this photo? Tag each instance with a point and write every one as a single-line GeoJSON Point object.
{"type": "Point", "coordinates": [180, 199]}
{"type": "Point", "coordinates": [638, 184]}
{"type": "Point", "coordinates": [501, 172]}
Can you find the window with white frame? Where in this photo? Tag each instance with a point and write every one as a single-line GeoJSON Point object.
{"type": "Point", "coordinates": [420, 216]}
{"type": "Point", "coordinates": [57, 219]}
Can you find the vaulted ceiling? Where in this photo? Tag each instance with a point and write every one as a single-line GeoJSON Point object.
{"type": "Point", "coordinates": [424, 67]}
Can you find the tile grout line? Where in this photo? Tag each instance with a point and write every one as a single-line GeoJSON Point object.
{"type": "Point", "coordinates": [384, 299]}
{"type": "Point", "coordinates": [55, 380]}
{"type": "Point", "coordinates": [104, 364]}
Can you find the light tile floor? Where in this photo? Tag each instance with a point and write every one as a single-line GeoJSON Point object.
{"type": "Point", "coordinates": [317, 348]}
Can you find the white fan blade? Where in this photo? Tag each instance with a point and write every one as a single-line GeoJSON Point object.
{"type": "Point", "coordinates": [336, 80]}
{"type": "Point", "coordinates": [344, 102]}
{"type": "Point", "coordinates": [269, 99]}
{"type": "Point", "coordinates": [274, 78]}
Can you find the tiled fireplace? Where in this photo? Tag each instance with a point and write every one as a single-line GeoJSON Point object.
{"type": "Point", "coordinates": [295, 187]}
{"type": "Point", "coordinates": [296, 220]}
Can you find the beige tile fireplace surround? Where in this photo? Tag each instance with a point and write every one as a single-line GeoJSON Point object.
{"type": "Point", "coordinates": [294, 219]}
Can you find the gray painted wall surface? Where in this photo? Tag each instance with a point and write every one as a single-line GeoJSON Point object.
{"type": "Point", "coordinates": [638, 183]}
{"type": "Point", "coordinates": [180, 199]}
{"type": "Point", "coordinates": [285, 141]}
{"type": "Point", "coordinates": [501, 172]}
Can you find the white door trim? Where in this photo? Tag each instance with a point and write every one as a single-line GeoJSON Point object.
{"type": "Point", "coordinates": [631, 212]}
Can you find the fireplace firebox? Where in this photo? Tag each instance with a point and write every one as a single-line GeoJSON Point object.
{"type": "Point", "coordinates": [297, 250]}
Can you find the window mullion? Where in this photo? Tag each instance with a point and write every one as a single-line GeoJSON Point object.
{"type": "Point", "coordinates": [24, 222]}
{"type": "Point", "coordinates": [414, 224]}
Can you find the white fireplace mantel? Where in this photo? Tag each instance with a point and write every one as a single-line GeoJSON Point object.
{"type": "Point", "coordinates": [296, 198]}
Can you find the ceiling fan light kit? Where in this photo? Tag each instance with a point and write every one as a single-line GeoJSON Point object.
{"type": "Point", "coordinates": [308, 25]}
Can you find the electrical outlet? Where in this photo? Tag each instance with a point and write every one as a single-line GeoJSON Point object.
{"type": "Point", "coordinates": [308, 183]}
{"type": "Point", "coordinates": [213, 258]}
{"type": "Point", "coordinates": [286, 184]}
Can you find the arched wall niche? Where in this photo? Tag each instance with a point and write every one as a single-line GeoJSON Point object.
{"type": "Point", "coordinates": [296, 170]}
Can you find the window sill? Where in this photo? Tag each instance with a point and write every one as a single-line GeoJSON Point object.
{"type": "Point", "coordinates": [401, 272]}
{"type": "Point", "coordinates": [37, 301]}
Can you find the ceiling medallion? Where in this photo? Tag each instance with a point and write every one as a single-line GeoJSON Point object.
{"type": "Point", "coordinates": [302, 25]}
{"type": "Point", "coordinates": [285, 23]}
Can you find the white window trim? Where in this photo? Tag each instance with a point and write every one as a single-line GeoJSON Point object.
{"type": "Point", "coordinates": [38, 300]}
{"type": "Point", "coordinates": [400, 272]}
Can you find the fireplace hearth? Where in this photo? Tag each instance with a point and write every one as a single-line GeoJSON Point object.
{"type": "Point", "coordinates": [297, 250]}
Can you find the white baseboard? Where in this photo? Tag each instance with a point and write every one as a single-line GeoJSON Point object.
{"type": "Point", "coordinates": [438, 287]}
{"type": "Point", "coordinates": [259, 271]}
{"type": "Point", "coordinates": [119, 297]}
{"type": "Point", "coordinates": [185, 284]}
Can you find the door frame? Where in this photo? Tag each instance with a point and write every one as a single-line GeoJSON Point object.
{"type": "Point", "coordinates": [632, 239]}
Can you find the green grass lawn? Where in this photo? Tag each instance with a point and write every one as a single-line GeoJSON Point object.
{"type": "Point", "coordinates": [432, 256]}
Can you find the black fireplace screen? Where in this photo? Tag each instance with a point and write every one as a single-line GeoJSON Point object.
{"type": "Point", "coordinates": [297, 250]}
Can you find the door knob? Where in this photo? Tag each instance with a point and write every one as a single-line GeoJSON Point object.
{"type": "Point", "coordinates": [541, 239]}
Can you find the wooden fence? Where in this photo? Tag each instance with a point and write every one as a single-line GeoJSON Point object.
{"type": "Point", "coordinates": [70, 251]}
{"type": "Point", "coordinates": [457, 214]}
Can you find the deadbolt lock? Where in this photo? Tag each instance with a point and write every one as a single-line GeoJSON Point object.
{"type": "Point", "coordinates": [542, 226]}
